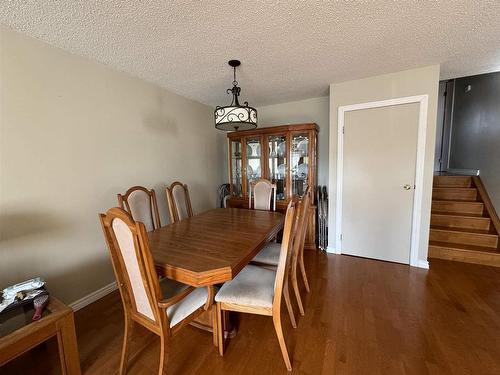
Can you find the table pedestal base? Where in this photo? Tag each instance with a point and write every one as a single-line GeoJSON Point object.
{"type": "Point", "coordinates": [205, 322]}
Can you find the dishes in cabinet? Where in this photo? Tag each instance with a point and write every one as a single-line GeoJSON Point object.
{"type": "Point", "coordinates": [257, 172]}
{"type": "Point", "coordinates": [281, 171]}
{"type": "Point", "coordinates": [301, 171]}
{"type": "Point", "coordinates": [249, 172]}
{"type": "Point", "coordinates": [281, 149]}
{"type": "Point", "coordinates": [253, 152]}
{"type": "Point", "coordinates": [303, 146]}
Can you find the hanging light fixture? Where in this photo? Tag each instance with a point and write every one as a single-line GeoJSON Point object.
{"type": "Point", "coordinates": [235, 116]}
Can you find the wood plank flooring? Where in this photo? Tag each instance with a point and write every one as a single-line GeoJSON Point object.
{"type": "Point", "coordinates": [362, 317]}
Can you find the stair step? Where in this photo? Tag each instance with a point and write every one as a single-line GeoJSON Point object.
{"type": "Point", "coordinates": [457, 181]}
{"type": "Point", "coordinates": [460, 221]}
{"type": "Point", "coordinates": [454, 193]}
{"type": "Point", "coordinates": [464, 236]}
{"type": "Point", "coordinates": [457, 206]}
{"type": "Point", "coordinates": [464, 214]}
{"type": "Point", "coordinates": [464, 253]}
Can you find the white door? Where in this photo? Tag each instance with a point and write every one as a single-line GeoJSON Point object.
{"type": "Point", "coordinates": [379, 161]}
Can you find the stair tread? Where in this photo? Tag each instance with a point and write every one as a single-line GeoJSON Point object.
{"type": "Point", "coordinates": [456, 246]}
{"type": "Point", "coordinates": [460, 214]}
{"type": "Point", "coordinates": [446, 187]}
{"type": "Point", "coordinates": [456, 200]}
{"type": "Point", "coordinates": [474, 231]}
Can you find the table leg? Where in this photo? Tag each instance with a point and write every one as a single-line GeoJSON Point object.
{"type": "Point", "coordinates": [68, 348]}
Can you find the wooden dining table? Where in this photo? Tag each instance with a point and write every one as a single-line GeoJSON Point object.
{"type": "Point", "coordinates": [212, 247]}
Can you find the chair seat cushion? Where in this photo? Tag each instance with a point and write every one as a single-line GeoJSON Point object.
{"type": "Point", "coordinates": [185, 307]}
{"type": "Point", "coordinates": [269, 255]}
{"type": "Point", "coordinates": [253, 286]}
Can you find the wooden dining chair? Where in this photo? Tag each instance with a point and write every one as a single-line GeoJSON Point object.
{"type": "Point", "coordinates": [162, 308]}
{"type": "Point", "coordinates": [179, 203]}
{"type": "Point", "coordinates": [141, 203]}
{"type": "Point", "coordinates": [258, 290]}
{"type": "Point", "coordinates": [264, 193]}
{"type": "Point", "coordinates": [270, 254]}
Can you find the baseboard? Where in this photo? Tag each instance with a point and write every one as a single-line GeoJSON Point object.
{"type": "Point", "coordinates": [423, 264]}
{"type": "Point", "coordinates": [94, 296]}
{"type": "Point", "coordinates": [332, 250]}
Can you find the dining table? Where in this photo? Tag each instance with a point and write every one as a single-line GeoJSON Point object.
{"type": "Point", "coordinates": [212, 247]}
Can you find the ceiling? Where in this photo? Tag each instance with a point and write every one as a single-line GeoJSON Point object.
{"type": "Point", "coordinates": [290, 50]}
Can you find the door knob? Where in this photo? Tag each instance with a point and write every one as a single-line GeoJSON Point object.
{"type": "Point", "coordinates": [406, 186]}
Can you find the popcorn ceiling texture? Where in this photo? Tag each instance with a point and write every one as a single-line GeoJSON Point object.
{"type": "Point", "coordinates": [290, 50]}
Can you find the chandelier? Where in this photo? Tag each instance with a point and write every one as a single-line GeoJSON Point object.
{"type": "Point", "coordinates": [235, 116]}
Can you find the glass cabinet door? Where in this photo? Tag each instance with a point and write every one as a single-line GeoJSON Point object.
{"type": "Point", "coordinates": [299, 160]}
{"type": "Point", "coordinates": [277, 164]}
{"type": "Point", "coordinates": [253, 160]}
{"type": "Point", "coordinates": [236, 171]}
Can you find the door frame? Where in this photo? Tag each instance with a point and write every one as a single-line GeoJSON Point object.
{"type": "Point", "coordinates": [422, 100]}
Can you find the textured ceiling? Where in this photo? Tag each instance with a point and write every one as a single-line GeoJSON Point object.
{"type": "Point", "coordinates": [290, 50]}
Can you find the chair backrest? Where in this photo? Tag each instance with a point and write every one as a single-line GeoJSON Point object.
{"type": "Point", "coordinates": [264, 192]}
{"type": "Point", "coordinates": [301, 229]}
{"type": "Point", "coordinates": [142, 205]}
{"type": "Point", "coordinates": [134, 268]}
{"type": "Point", "coordinates": [285, 253]}
{"type": "Point", "coordinates": [225, 201]}
{"type": "Point", "coordinates": [179, 203]}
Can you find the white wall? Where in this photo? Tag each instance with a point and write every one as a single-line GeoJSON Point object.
{"type": "Point", "coordinates": [400, 84]}
{"type": "Point", "coordinates": [303, 111]}
{"type": "Point", "coordinates": [73, 133]}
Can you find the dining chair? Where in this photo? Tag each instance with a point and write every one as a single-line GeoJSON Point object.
{"type": "Point", "coordinates": [161, 307]}
{"type": "Point", "coordinates": [141, 203]}
{"type": "Point", "coordinates": [179, 203]}
{"type": "Point", "coordinates": [258, 290]}
{"type": "Point", "coordinates": [264, 192]}
{"type": "Point", "coordinates": [270, 254]}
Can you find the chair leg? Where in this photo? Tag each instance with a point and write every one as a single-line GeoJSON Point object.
{"type": "Point", "coordinates": [286, 293]}
{"type": "Point", "coordinates": [129, 330]}
{"type": "Point", "coordinates": [220, 329]}
{"type": "Point", "coordinates": [303, 271]}
{"type": "Point", "coordinates": [215, 330]}
{"type": "Point", "coordinates": [281, 339]}
{"type": "Point", "coordinates": [163, 354]}
{"type": "Point", "coordinates": [296, 290]}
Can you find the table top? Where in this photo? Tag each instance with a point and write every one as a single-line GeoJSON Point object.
{"type": "Point", "coordinates": [17, 323]}
{"type": "Point", "coordinates": [212, 247]}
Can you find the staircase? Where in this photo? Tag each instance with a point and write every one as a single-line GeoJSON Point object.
{"type": "Point", "coordinates": [464, 224]}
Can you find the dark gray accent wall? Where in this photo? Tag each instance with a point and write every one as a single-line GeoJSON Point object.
{"type": "Point", "coordinates": [475, 136]}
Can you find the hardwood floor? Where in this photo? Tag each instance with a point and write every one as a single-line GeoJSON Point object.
{"type": "Point", "coordinates": [362, 317]}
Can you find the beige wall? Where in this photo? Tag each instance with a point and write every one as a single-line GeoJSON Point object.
{"type": "Point", "coordinates": [406, 83]}
{"type": "Point", "coordinates": [303, 111]}
{"type": "Point", "coordinates": [73, 133]}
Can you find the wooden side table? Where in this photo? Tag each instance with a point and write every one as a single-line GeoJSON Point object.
{"type": "Point", "coordinates": [18, 334]}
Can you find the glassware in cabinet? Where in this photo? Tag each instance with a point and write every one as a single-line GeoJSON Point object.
{"type": "Point", "coordinates": [253, 154]}
{"type": "Point", "coordinates": [278, 164]}
{"type": "Point", "coordinates": [236, 168]}
{"type": "Point", "coordinates": [299, 159]}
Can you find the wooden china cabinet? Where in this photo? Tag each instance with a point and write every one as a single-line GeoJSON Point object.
{"type": "Point", "coordinates": [286, 155]}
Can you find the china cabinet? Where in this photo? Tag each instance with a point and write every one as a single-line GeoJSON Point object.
{"type": "Point", "coordinates": [286, 155]}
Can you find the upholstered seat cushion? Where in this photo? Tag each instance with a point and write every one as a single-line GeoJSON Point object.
{"type": "Point", "coordinates": [269, 255]}
{"type": "Point", "coordinates": [253, 286]}
{"type": "Point", "coordinates": [182, 309]}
